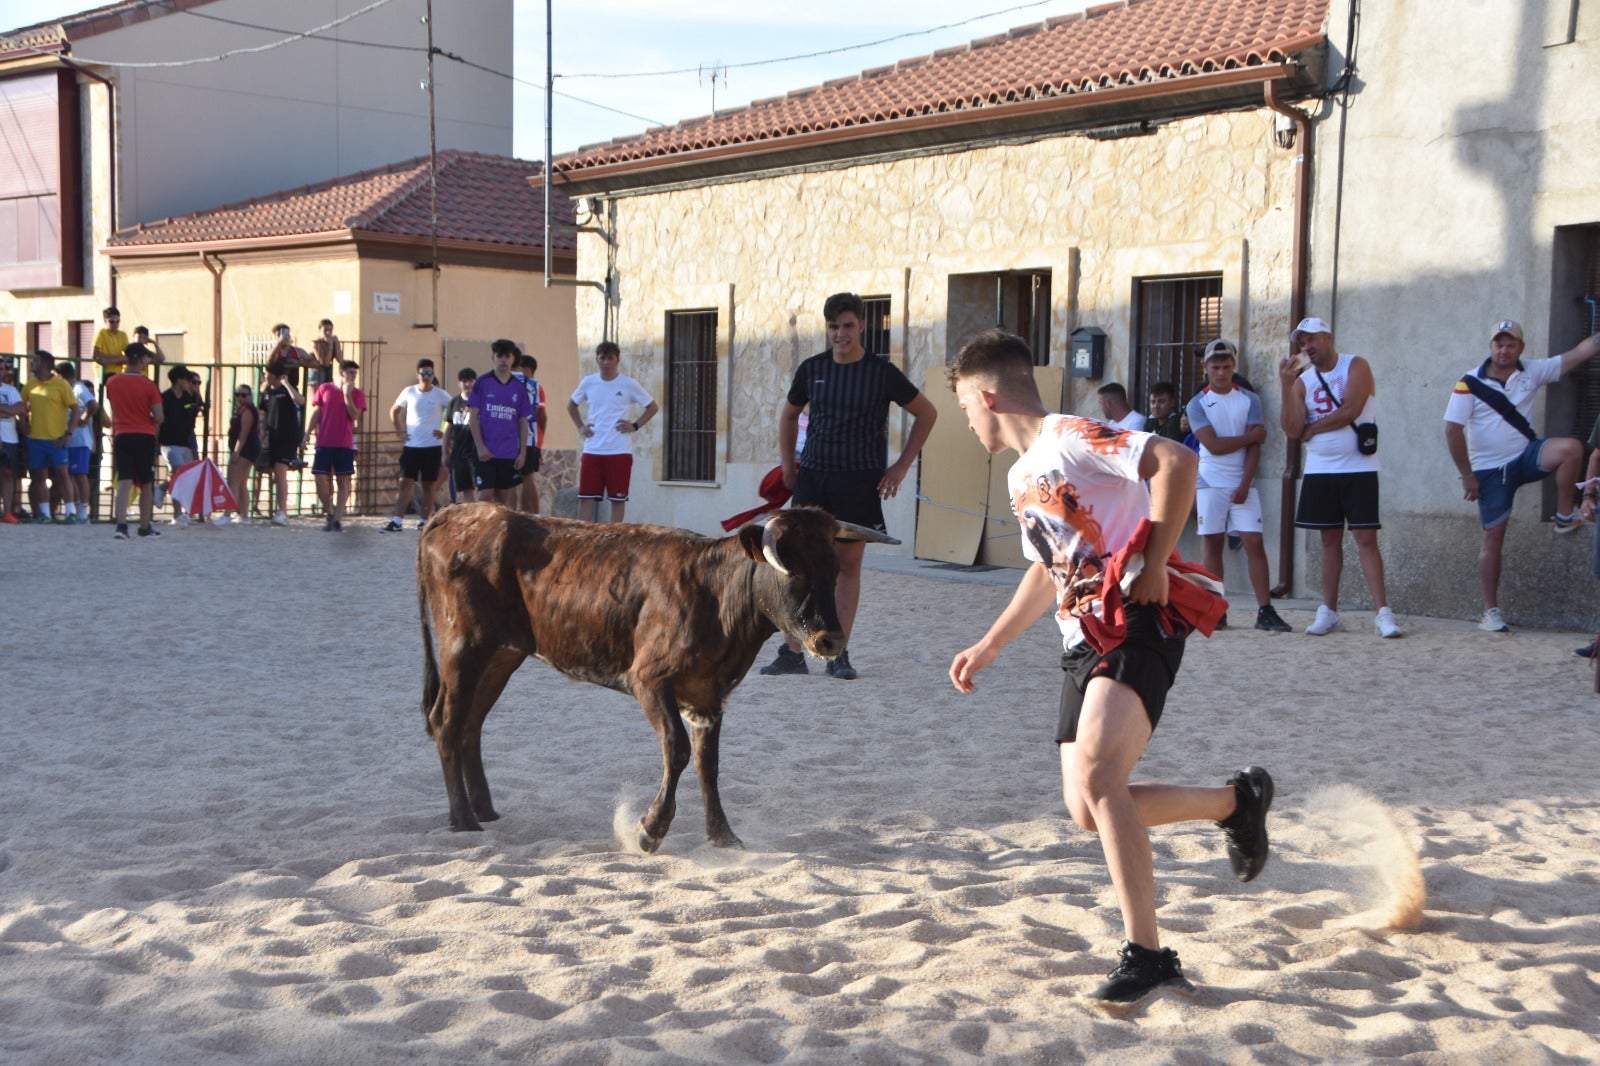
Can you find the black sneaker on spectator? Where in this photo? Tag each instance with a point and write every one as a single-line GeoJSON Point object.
{"type": "Point", "coordinates": [121, 533]}
{"type": "Point", "coordinates": [149, 531]}
{"type": "Point", "coordinates": [1139, 972]}
{"type": "Point", "coordinates": [841, 667]}
{"type": "Point", "coordinates": [1267, 618]}
{"type": "Point", "coordinates": [391, 526]}
{"type": "Point", "coordinates": [787, 662]}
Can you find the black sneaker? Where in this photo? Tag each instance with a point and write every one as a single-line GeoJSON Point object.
{"type": "Point", "coordinates": [1246, 827]}
{"type": "Point", "coordinates": [327, 524]}
{"type": "Point", "coordinates": [1222, 623]}
{"type": "Point", "coordinates": [148, 531]}
{"type": "Point", "coordinates": [787, 662]}
{"type": "Point", "coordinates": [121, 533]}
{"type": "Point", "coordinates": [1267, 618]}
{"type": "Point", "coordinates": [1139, 972]}
{"type": "Point", "coordinates": [392, 526]}
{"type": "Point", "coordinates": [841, 667]}
{"type": "Point", "coordinates": [1585, 652]}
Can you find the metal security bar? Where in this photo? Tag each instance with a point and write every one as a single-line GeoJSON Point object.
{"type": "Point", "coordinates": [1586, 380]}
{"type": "Point", "coordinates": [1174, 320]}
{"type": "Point", "coordinates": [691, 408]}
{"type": "Point", "coordinates": [875, 334]}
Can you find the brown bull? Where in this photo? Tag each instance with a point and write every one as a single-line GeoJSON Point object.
{"type": "Point", "coordinates": [672, 618]}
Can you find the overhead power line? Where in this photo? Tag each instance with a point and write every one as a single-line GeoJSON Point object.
{"type": "Point", "coordinates": [816, 55]}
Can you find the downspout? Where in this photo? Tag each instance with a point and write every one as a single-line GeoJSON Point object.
{"type": "Point", "coordinates": [1300, 245]}
{"type": "Point", "coordinates": [216, 330]}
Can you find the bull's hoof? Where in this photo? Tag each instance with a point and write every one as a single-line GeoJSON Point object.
{"type": "Point", "coordinates": [727, 840]}
{"type": "Point", "coordinates": [465, 827]}
{"type": "Point", "coordinates": [647, 843]}
{"type": "Point", "coordinates": [491, 815]}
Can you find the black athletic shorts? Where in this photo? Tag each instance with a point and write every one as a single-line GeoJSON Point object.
{"type": "Point", "coordinates": [848, 495]}
{"type": "Point", "coordinates": [1333, 501]}
{"type": "Point", "coordinates": [133, 455]}
{"type": "Point", "coordinates": [464, 470]}
{"type": "Point", "coordinates": [498, 474]}
{"type": "Point", "coordinates": [530, 461]}
{"type": "Point", "coordinates": [420, 464]}
{"type": "Point", "coordinates": [1146, 661]}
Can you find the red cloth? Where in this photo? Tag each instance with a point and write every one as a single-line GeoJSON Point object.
{"type": "Point", "coordinates": [1188, 605]}
{"type": "Point", "coordinates": [772, 491]}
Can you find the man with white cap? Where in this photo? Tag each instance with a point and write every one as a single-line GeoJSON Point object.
{"type": "Point", "coordinates": [1327, 404]}
{"type": "Point", "coordinates": [1497, 451]}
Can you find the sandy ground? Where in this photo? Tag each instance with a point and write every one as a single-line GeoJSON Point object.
{"type": "Point", "coordinates": [222, 839]}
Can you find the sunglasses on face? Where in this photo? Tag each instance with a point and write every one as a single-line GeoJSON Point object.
{"type": "Point", "coordinates": [425, 373]}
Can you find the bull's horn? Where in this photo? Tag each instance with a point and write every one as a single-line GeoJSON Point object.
{"type": "Point", "coordinates": [851, 531]}
{"type": "Point", "coordinates": [769, 548]}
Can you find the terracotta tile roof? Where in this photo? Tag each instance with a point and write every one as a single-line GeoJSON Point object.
{"type": "Point", "coordinates": [483, 199]}
{"type": "Point", "coordinates": [1126, 43]}
{"type": "Point", "coordinates": [58, 34]}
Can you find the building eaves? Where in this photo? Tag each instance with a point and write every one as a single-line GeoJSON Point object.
{"type": "Point", "coordinates": [1141, 49]}
{"type": "Point", "coordinates": [58, 35]}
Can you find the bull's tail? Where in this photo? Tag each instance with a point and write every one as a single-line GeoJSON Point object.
{"type": "Point", "coordinates": [430, 664]}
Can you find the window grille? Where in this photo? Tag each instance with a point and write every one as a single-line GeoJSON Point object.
{"type": "Point", "coordinates": [1586, 380]}
{"type": "Point", "coordinates": [691, 407]}
{"type": "Point", "coordinates": [875, 330]}
{"type": "Point", "coordinates": [1175, 318]}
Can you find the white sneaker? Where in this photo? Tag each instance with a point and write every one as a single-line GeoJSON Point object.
{"type": "Point", "coordinates": [1385, 624]}
{"type": "Point", "coordinates": [220, 520]}
{"type": "Point", "coordinates": [179, 520]}
{"type": "Point", "coordinates": [1326, 622]}
{"type": "Point", "coordinates": [280, 519]}
{"type": "Point", "coordinates": [1494, 622]}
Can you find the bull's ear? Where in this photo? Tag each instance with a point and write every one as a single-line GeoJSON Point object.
{"type": "Point", "coordinates": [851, 531]}
{"type": "Point", "coordinates": [750, 542]}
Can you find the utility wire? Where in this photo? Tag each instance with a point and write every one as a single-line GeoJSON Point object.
{"type": "Point", "coordinates": [815, 55]}
{"type": "Point", "coordinates": [176, 10]}
{"type": "Point", "coordinates": [535, 85]}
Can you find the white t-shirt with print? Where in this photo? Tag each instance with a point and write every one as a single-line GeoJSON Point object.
{"type": "Point", "coordinates": [609, 402]}
{"type": "Point", "coordinates": [83, 436]}
{"type": "Point", "coordinates": [1335, 452]}
{"type": "Point", "coordinates": [1077, 493]}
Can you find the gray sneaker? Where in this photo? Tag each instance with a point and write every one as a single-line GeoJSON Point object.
{"type": "Point", "coordinates": [787, 662]}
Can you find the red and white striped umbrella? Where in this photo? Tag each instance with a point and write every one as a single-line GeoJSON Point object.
{"type": "Point", "coordinates": [199, 488]}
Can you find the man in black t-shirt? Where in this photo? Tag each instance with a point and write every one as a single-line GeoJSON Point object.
{"type": "Point", "coordinates": [844, 468]}
{"type": "Point", "coordinates": [180, 406]}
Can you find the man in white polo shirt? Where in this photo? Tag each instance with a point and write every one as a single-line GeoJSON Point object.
{"type": "Point", "coordinates": [1497, 451]}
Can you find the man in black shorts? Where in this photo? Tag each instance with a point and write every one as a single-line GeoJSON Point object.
{"type": "Point", "coordinates": [844, 468]}
{"type": "Point", "coordinates": [1079, 492]}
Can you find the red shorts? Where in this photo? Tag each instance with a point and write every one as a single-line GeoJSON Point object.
{"type": "Point", "coordinates": [604, 475]}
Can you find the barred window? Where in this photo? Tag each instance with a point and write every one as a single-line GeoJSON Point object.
{"type": "Point", "coordinates": [1174, 319]}
{"type": "Point", "coordinates": [875, 329]}
{"type": "Point", "coordinates": [691, 407]}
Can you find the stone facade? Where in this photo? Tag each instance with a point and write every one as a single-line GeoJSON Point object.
{"type": "Point", "coordinates": [1203, 195]}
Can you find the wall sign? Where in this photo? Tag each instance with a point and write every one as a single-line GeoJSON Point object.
{"type": "Point", "coordinates": [386, 303]}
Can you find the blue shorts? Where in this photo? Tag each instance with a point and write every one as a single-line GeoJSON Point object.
{"type": "Point", "coordinates": [334, 461]}
{"type": "Point", "coordinates": [43, 453]}
{"type": "Point", "coordinates": [78, 460]}
{"type": "Point", "coordinates": [1498, 485]}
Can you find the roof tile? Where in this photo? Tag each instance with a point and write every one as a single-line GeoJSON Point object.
{"type": "Point", "coordinates": [483, 199]}
{"type": "Point", "coordinates": [1127, 42]}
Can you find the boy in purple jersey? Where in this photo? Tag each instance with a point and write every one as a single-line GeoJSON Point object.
{"type": "Point", "coordinates": [498, 420]}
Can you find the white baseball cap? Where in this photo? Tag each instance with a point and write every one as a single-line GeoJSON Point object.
{"type": "Point", "coordinates": [1309, 325]}
{"type": "Point", "coordinates": [1220, 349]}
{"type": "Point", "coordinates": [1506, 325]}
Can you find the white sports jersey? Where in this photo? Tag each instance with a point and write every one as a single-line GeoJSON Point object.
{"type": "Point", "coordinates": [609, 403]}
{"type": "Point", "coordinates": [425, 413]}
{"type": "Point", "coordinates": [1230, 414]}
{"type": "Point", "coordinates": [1491, 440]}
{"type": "Point", "coordinates": [1335, 452]}
{"type": "Point", "coordinates": [1077, 493]}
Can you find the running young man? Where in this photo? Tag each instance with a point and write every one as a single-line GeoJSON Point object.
{"type": "Point", "coordinates": [1078, 489]}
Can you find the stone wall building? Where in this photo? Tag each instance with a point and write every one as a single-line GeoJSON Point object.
{"type": "Point", "coordinates": [1166, 171]}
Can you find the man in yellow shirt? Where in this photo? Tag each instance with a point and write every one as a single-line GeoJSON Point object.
{"type": "Point", "coordinates": [53, 414]}
{"type": "Point", "coordinates": [109, 344]}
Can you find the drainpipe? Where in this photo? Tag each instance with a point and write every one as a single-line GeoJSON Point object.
{"type": "Point", "coordinates": [216, 330]}
{"type": "Point", "coordinates": [1300, 242]}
